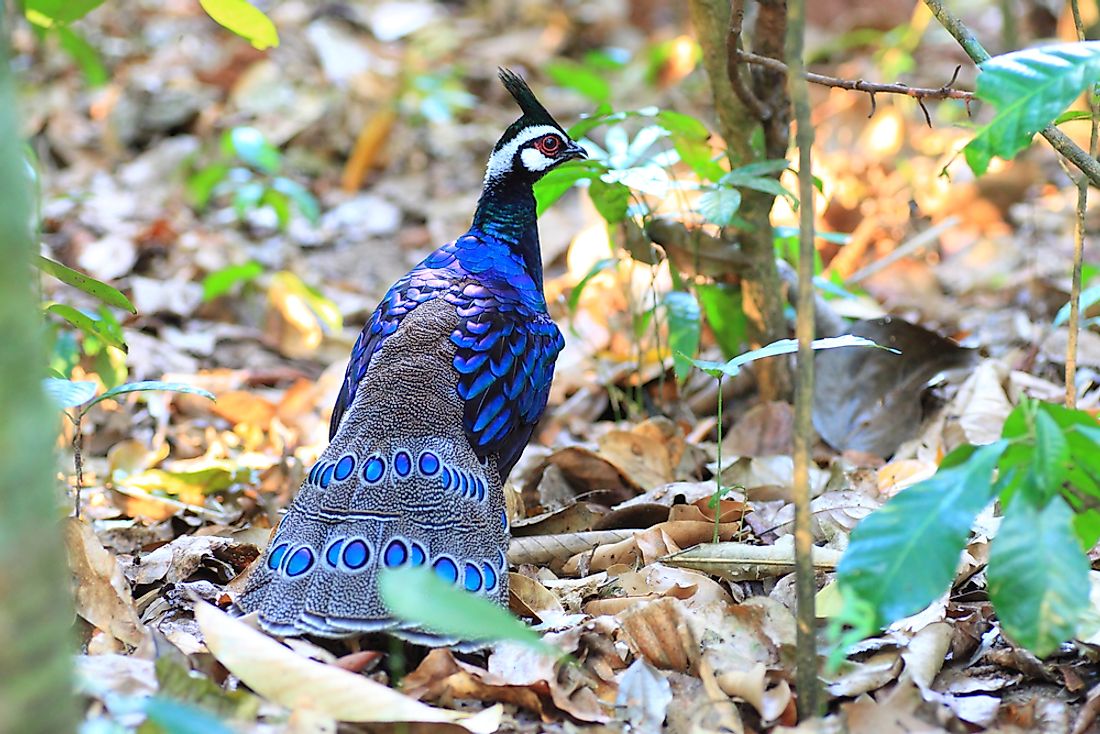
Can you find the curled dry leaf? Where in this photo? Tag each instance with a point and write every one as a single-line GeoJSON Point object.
{"type": "Point", "coordinates": [658, 632]}
{"type": "Point", "coordinates": [102, 591]}
{"type": "Point", "coordinates": [644, 696]}
{"type": "Point", "coordinates": [529, 598]}
{"type": "Point", "coordinates": [440, 677]}
{"type": "Point", "coordinates": [547, 549]}
{"type": "Point", "coordinates": [744, 562]}
{"type": "Point", "coordinates": [282, 676]}
{"type": "Point", "coordinates": [649, 545]}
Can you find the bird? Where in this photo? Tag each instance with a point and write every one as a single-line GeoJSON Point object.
{"type": "Point", "coordinates": [443, 390]}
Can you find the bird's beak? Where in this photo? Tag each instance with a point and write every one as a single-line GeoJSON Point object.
{"type": "Point", "coordinates": [574, 152]}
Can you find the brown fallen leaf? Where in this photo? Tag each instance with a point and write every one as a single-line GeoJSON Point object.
{"type": "Point", "coordinates": [649, 454]}
{"type": "Point", "coordinates": [102, 592]}
{"type": "Point", "coordinates": [283, 677]}
{"type": "Point", "coordinates": [649, 545]}
{"type": "Point", "coordinates": [528, 597]}
{"type": "Point", "coordinates": [440, 677]}
{"type": "Point", "coordinates": [658, 632]}
{"type": "Point", "coordinates": [243, 407]}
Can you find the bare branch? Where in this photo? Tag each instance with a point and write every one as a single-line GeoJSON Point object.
{"type": "Point", "coordinates": [733, 68]}
{"type": "Point", "coordinates": [947, 91]}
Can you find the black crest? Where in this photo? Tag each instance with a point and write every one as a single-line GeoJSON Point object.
{"type": "Point", "coordinates": [533, 111]}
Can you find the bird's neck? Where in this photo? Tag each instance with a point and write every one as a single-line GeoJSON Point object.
{"type": "Point", "coordinates": [506, 213]}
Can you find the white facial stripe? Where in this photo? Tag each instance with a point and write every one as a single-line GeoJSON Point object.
{"type": "Point", "coordinates": [500, 162]}
{"type": "Point", "coordinates": [534, 160]}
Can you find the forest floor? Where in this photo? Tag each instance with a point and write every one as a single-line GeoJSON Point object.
{"type": "Point", "coordinates": [180, 493]}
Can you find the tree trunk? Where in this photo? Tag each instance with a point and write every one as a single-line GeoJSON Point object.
{"type": "Point", "coordinates": [760, 282]}
{"type": "Point", "coordinates": [35, 611]}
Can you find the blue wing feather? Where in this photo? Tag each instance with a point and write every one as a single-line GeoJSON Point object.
{"type": "Point", "coordinates": [506, 344]}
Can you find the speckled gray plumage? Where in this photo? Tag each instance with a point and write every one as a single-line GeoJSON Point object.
{"type": "Point", "coordinates": [414, 409]}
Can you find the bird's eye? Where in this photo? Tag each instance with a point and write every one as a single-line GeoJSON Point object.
{"type": "Point", "coordinates": [548, 144]}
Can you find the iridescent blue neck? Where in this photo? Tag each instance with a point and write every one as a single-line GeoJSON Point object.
{"type": "Point", "coordinates": [506, 213]}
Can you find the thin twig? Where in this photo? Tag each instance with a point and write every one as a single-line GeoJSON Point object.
{"type": "Point", "coordinates": [733, 68]}
{"type": "Point", "coordinates": [806, 675]}
{"type": "Point", "coordinates": [1079, 237]}
{"type": "Point", "coordinates": [78, 462]}
{"type": "Point", "coordinates": [947, 91]}
{"type": "Point", "coordinates": [1058, 140]}
{"type": "Point", "coordinates": [908, 247]}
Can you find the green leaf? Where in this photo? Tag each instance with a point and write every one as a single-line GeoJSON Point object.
{"type": "Point", "coordinates": [761, 168]}
{"type": "Point", "coordinates": [783, 346]}
{"type": "Point", "coordinates": [201, 186]}
{"type": "Point", "coordinates": [1086, 525]}
{"type": "Point", "coordinates": [250, 145]}
{"type": "Point", "coordinates": [1072, 115]}
{"type": "Point", "coordinates": [610, 199]}
{"type": "Point", "coordinates": [581, 79]}
{"type": "Point", "coordinates": [1051, 454]}
{"type": "Point", "coordinates": [280, 203]}
{"type": "Point", "coordinates": [69, 393]}
{"type": "Point", "coordinates": [245, 20]}
{"type": "Point", "coordinates": [699, 157]}
{"type": "Point", "coordinates": [85, 55]}
{"type": "Point", "coordinates": [418, 595]}
{"type": "Point", "coordinates": [683, 330]}
{"type": "Point", "coordinates": [1089, 298]}
{"type": "Point", "coordinates": [553, 185]}
{"type": "Point", "coordinates": [48, 13]}
{"type": "Point", "coordinates": [1029, 88]}
{"type": "Point", "coordinates": [1038, 575]}
{"type": "Point", "coordinates": [725, 316]}
{"type": "Point", "coordinates": [222, 281]}
{"type": "Point", "coordinates": [86, 283]}
{"type": "Point", "coordinates": [90, 325]}
{"type": "Point", "coordinates": [601, 265]}
{"type": "Point", "coordinates": [719, 206]}
{"type": "Point", "coordinates": [176, 717]}
{"type": "Point", "coordinates": [301, 196]}
{"type": "Point", "coordinates": [759, 183]}
{"type": "Point", "coordinates": [148, 386]}
{"type": "Point", "coordinates": [682, 124]}
{"type": "Point", "coordinates": [903, 556]}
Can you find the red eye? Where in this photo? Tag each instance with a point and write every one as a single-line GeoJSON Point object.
{"type": "Point", "coordinates": [548, 144]}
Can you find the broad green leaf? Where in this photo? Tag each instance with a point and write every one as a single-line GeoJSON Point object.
{"type": "Point", "coordinates": [1051, 454]}
{"type": "Point", "coordinates": [683, 330]}
{"type": "Point", "coordinates": [1038, 575]}
{"type": "Point", "coordinates": [85, 55]}
{"type": "Point", "coordinates": [86, 283]}
{"type": "Point", "coordinates": [553, 185]}
{"type": "Point", "coordinates": [176, 717]}
{"type": "Point", "coordinates": [1086, 525]}
{"type": "Point", "coordinates": [244, 19]}
{"type": "Point", "coordinates": [699, 157]}
{"type": "Point", "coordinates": [250, 145]}
{"type": "Point", "coordinates": [48, 13]}
{"type": "Point", "coordinates": [91, 325]}
{"type": "Point", "coordinates": [610, 199]}
{"type": "Point", "coordinates": [69, 393]}
{"type": "Point", "coordinates": [725, 315]}
{"type": "Point", "coordinates": [222, 281]}
{"type": "Point", "coordinates": [783, 346]}
{"type": "Point", "coordinates": [150, 385]}
{"type": "Point", "coordinates": [1029, 88]}
{"type": "Point", "coordinates": [1089, 298]}
{"type": "Point", "coordinates": [601, 265]}
{"type": "Point", "coordinates": [759, 183]}
{"type": "Point", "coordinates": [248, 197]}
{"type": "Point", "coordinates": [418, 595]}
{"type": "Point", "coordinates": [679, 123]}
{"type": "Point", "coordinates": [719, 206]}
{"type": "Point", "coordinates": [761, 168]}
{"type": "Point", "coordinates": [903, 556]}
{"type": "Point", "coordinates": [580, 78]}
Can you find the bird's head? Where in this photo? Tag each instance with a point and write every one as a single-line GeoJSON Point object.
{"type": "Point", "coordinates": [532, 145]}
